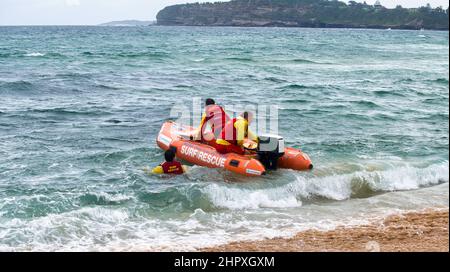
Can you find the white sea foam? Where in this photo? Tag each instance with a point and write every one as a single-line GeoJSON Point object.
{"type": "Point", "coordinates": [112, 197]}
{"type": "Point", "coordinates": [34, 54]}
{"type": "Point", "coordinates": [101, 229]}
{"type": "Point", "coordinates": [236, 198]}
{"type": "Point", "coordinates": [341, 187]}
{"type": "Point", "coordinates": [334, 187]}
{"type": "Point", "coordinates": [109, 228]}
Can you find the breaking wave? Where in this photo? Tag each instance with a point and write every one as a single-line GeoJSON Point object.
{"type": "Point", "coordinates": [303, 189]}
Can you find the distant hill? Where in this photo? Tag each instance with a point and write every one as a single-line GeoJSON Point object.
{"type": "Point", "coordinates": [129, 23]}
{"type": "Point", "coordinates": [303, 13]}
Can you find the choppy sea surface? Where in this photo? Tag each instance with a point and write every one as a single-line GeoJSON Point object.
{"type": "Point", "coordinates": [80, 108]}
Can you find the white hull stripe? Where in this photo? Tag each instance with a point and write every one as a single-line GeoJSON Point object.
{"type": "Point", "coordinates": [164, 140]}
{"type": "Point", "coordinates": [253, 172]}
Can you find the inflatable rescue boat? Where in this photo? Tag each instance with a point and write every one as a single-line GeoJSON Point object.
{"type": "Point", "coordinates": [270, 154]}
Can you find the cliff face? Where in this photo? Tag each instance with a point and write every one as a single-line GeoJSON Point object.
{"type": "Point", "coordinates": [302, 13]}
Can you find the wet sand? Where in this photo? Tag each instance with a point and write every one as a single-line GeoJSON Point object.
{"type": "Point", "coordinates": [424, 231]}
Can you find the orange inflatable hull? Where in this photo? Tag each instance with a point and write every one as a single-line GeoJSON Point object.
{"type": "Point", "coordinates": [176, 136]}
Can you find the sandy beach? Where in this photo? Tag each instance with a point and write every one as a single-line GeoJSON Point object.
{"type": "Point", "coordinates": [424, 231]}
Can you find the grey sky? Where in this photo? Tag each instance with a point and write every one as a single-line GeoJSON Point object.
{"type": "Point", "coordinates": [85, 12]}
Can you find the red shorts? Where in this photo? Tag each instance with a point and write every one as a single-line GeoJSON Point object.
{"type": "Point", "coordinates": [224, 149]}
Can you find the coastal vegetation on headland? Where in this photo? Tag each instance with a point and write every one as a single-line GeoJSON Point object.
{"type": "Point", "coordinates": [304, 13]}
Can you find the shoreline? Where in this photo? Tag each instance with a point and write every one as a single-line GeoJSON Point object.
{"type": "Point", "coordinates": [230, 26]}
{"type": "Point", "coordinates": [419, 231]}
{"type": "Point", "coordinates": [306, 27]}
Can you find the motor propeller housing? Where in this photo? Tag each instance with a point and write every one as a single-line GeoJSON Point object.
{"type": "Point", "coordinates": [270, 149]}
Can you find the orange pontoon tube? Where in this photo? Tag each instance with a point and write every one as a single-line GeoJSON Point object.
{"type": "Point", "coordinates": [177, 137]}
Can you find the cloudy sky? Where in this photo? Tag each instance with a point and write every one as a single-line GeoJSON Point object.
{"type": "Point", "coordinates": [88, 12]}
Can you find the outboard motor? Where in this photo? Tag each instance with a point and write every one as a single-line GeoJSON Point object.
{"type": "Point", "coordinates": [270, 150]}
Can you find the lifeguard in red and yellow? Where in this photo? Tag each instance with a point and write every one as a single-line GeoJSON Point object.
{"type": "Point", "coordinates": [216, 117]}
{"type": "Point", "coordinates": [234, 133]}
{"type": "Point", "coordinates": [170, 166]}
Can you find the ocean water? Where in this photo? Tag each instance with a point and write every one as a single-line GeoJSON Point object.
{"type": "Point", "coordinates": [81, 107]}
